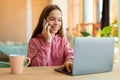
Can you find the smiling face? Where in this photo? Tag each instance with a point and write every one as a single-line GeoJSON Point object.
{"type": "Point", "coordinates": [54, 20]}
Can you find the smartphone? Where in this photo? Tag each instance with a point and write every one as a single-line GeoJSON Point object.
{"type": "Point", "coordinates": [44, 21]}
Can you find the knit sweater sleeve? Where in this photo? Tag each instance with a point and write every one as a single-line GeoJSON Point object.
{"type": "Point", "coordinates": [68, 51]}
{"type": "Point", "coordinates": [39, 52]}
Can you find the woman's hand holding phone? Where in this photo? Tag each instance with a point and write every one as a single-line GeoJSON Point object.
{"type": "Point", "coordinates": [46, 31]}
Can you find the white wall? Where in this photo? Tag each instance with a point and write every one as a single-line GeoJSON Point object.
{"type": "Point", "coordinates": [63, 4]}
{"type": "Point", "coordinates": [118, 13]}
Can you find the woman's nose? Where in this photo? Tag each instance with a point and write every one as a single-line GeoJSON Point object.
{"type": "Point", "coordinates": [56, 22]}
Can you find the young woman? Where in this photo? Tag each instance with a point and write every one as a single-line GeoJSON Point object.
{"type": "Point", "coordinates": [48, 45]}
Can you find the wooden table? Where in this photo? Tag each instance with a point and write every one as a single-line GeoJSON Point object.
{"type": "Point", "coordinates": [48, 73]}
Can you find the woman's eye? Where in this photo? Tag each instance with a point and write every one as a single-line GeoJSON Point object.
{"type": "Point", "coordinates": [60, 20]}
{"type": "Point", "coordinates": [52, 19]}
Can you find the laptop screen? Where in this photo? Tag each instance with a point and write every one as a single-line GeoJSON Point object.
{"type": "Point", "coordinates": [91, 55]}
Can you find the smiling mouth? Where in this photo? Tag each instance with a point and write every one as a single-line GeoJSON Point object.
{"type": "Point", "coordinates": [54, 28]}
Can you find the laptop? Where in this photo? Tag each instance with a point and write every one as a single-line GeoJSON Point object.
{"type": "Point", "coordinates": [91, 55]}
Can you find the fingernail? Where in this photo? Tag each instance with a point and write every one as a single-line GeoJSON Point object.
{"type": "Point", "coordinates": [48, 27]}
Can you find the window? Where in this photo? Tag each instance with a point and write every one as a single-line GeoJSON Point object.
{"type": "Point", "coordinates": [75, 15]}
{"type": "Point", "coordinates": [77, 18]}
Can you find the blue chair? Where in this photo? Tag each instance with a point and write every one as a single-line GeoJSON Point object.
{"type": "Point", "coordinates": [9, 49]}
{"type": "Point", "coordinates": [4, 64]}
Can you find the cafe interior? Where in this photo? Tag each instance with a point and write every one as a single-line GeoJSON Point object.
{"type": "Point", "coordinates": [81, 18]}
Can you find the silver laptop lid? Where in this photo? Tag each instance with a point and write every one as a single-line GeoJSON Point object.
{"type": "Point", "coordinates": [93, 55]}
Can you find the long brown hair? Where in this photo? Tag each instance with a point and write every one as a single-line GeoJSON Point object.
{"type": "Point", "coordinates": [44, 15]}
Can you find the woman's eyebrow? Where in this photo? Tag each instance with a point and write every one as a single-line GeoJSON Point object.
{"type": "Point", "coordinates": [55, 17]}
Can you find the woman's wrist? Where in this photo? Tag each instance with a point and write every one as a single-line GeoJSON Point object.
{"type": "Point", "coordinates": [68, 65]}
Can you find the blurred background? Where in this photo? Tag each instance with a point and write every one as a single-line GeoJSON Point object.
{"type": "Point", "coordinates": [82, 18]}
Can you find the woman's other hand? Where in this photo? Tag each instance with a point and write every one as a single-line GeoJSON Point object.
{"type": "Point", "coordinates": [68, 65]}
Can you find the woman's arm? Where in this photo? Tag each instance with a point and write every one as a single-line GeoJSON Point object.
{"type": "Point", "coordinates": [39, 52]}
{"type": "Point", "coordinates": [68, 51]}
{"type": "Point", "coordinates": [69, 57]}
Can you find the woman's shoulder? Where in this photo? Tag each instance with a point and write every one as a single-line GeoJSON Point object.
{"type": "Point", "coordinates": [37, 38]}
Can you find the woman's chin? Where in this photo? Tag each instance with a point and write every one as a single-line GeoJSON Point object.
{"type": "Point", "coordinates": [54, 31]}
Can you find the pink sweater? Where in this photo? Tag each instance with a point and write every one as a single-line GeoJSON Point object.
{"type": "Point", "coordinates": [49, 54]}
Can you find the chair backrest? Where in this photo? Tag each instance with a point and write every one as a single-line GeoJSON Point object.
{"type": "Point", "coordinates": [4, 64]}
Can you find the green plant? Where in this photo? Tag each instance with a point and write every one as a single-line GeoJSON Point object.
{"type": "Point", "coordinates": [108, 31]}
{"type": "Point", "coordinates": [84, 33]}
